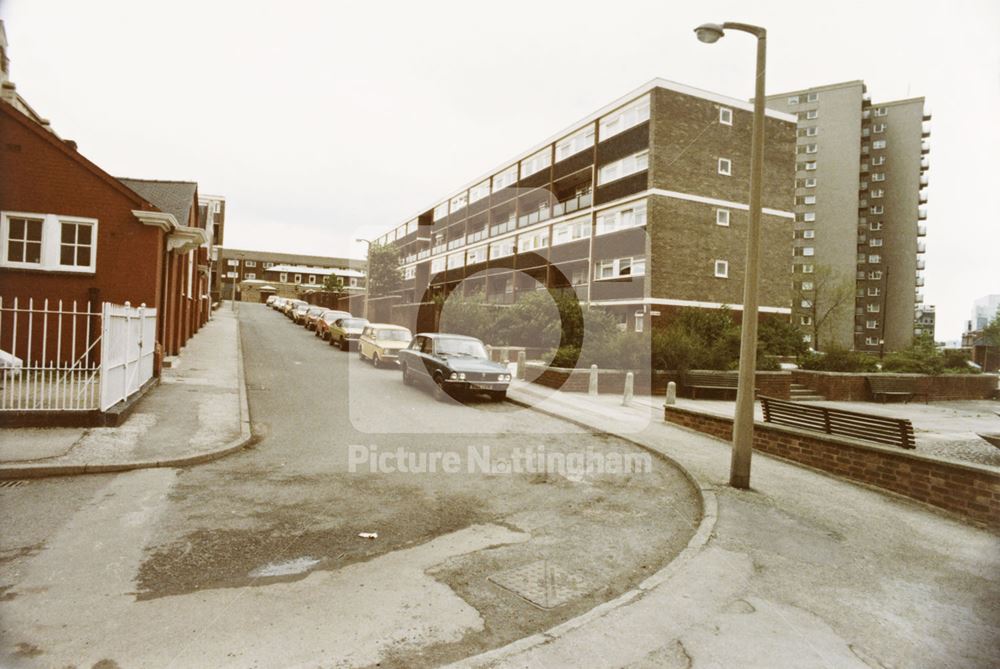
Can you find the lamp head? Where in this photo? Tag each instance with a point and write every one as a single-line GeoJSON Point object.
{"type": "Point", "coordinates": [709, 33]}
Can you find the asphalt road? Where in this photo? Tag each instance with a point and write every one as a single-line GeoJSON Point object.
{"type": "Point", "coordinates": [256, 560]}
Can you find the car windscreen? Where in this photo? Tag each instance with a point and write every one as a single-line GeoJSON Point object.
{"type": "Point", "coordinates": [469, 348]}
{"type": "Point", "coordinates": [353, 323]}
{"type": "Point", "coordinates": [393, 335]}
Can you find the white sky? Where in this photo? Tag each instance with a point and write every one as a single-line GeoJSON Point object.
{"type": "Point", "coordinates": [323, 122]}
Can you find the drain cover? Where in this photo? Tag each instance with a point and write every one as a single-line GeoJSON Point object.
{"type": "Point", "coordinates": [542, 583]}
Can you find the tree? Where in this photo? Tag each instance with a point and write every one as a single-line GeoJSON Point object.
{"type": "Point", "coordinates": [777, 336]}
{"type": "Point", "coordinates": [384, 275]}
{"type": "Point", "coordinates": [823, 296]}
{"type": "Point", "coordinates": [333, 283]}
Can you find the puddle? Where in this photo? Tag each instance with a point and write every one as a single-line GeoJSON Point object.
{"type": "Point", "coordinates": [296, 566]}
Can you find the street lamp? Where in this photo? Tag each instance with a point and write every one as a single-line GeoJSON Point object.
{"type": "Point", "coordinates": [739, 472]}
{"type": "Point", "coordinates": [368, 255]}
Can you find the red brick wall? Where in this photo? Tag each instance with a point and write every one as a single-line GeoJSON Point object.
{"type": "Point", "coordinates": [854, 388]}
{"type": "Point", "coordinates": [970, 491]}
{"type": "Point", "coordinates": [39, 177]}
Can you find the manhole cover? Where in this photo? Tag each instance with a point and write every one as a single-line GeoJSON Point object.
{"type": "Point", "coordinates": [542, 583]}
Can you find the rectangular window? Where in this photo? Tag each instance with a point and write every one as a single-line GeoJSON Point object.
{"type": "Point", "coordinates": [725, 116]}
{"type": "Point", "coordinates": [249, 263]}
{"type": "Point", "coordinates": [812, 148]}
{"type": "Point", "coordinates": [578, 228]}
{"type": "Point", "coordinates": [876, 275]}
{"type": "Point", "coordinates": [878, 128]}
{"type": "Point", "coordinates": [283, 277]}
{"type": "Point", "coordinates": [808, 234]}
{"type": "Point", "coordinates": [437, 265]}
{"type": "Point", "coordinates": [871, 325]}
{"type": "Point", "coordinates": [812, 114]}
{"type": "Point", "coordinates": [722, 217]}
{"type": "Point", "coordinates": [874, 291]}
{"type": "Point", "coordinates": [476, 255]}
{"type": "Point", "coordinates": [810, 182]}
{"type": "Point", "coordinates": [312, 279]}
{"type": "Point", "coordinates": [878, 144]}
{"type": "Point", "coordinates": [532, 242]}
{"type": "Point", "coordinates": [620, 267]}
{"type": "Point", "coordinates": [49, 242]}
{"type": "Point", "coordinates": [875, 226]}
{"type": "Point", "coordinates": [411, 227]}
{"type": "Point", "coordinates": [722, 269]}
{"type": "Point", "coordinates": [871, 341]}
{"type": "Point", "coordinates": [877, 193]}
{"type": "Point", "coordinates": [881, 111]}
{"type": "Point", "coordinates": [805, 320]}
{"type": "Point", "coordinates": [250, 275]}
{"type": "Point", "coordinates": [877, 209]}
{"type": "Point", "coordinates": [76, 244]}
{"type": "Point", "coordinates": [268, 265]}
{"type": "Point", "coordinates": [632, 216]}
{"type": "Point", "coordinates": [639, 321]}
{"type": "Point", "coordinates": [812, 131]}
{"type": "Point", "coordinates": [456, 260]}
{"type": "Point", "coordinates": [575, 143]}
{"type": "Point", "coordinates": [502, 249]}
{"type": "Point", "coordinates": [878, 160]}
{"type": "Point", "coordinates": [873, 308]}
{"type": "Point", "coordinates": [812, 97]}
{"type": "Point", "coordinates": [874, 259]}
{"type": "Point", "coordinates": [808, 269]}
{"type": "Point", "coordinates": [459, 202]}
{"type": "Point", "coordinates": [793, 100]}
{"type": "Point", "coordinates": [479, 191]}
{"type": "Point", "coordinates": [725, 166]}
{"type": "Point", "coordinates": [298, 278]}
{"type": "Point", "coordinates": [878, 176]}
{"type": "Point", "coordinates": [809, 216]}
{"type": "Point", "coordinates": [619, 169]}
{"type": "Point", "coordinates": [806, 285]}
{"type": "Point", "coordinates": [810, 165]}
{"type": "Point", "coordinates": [875, 241]}
{"type": "Point", "coordinates": [625, 118]}
{"type": "Point", "coordinates": [809, 199]}
{"type": "Point", "coordinates": [502, 226]}
{"type": "Point", "coordinates": [409, 273]}
{"type": "Point", "coordinates": [440, 211]}
{"type": "Point", "coordinates": [504, 179]}
{"type": "Point", "coordinates": [536, 163]}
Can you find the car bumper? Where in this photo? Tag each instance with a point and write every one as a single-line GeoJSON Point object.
{"type": "Point", "coordinates": [476, 386]}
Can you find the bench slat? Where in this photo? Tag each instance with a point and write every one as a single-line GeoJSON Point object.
{"type": "Point", "coordinates": [879, 429]}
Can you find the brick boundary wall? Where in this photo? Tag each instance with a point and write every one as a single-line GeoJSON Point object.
{"type": "Point", "coordinates": [849, 387]}
{"type": "Point", "coordinates": [612, 381]}
{"type": "Point", "coordinates": [968, 490]}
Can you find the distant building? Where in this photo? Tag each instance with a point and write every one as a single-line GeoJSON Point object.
{"type": "Point", "coordinates": [639, 208]}
{"type": "Point", "coordinates": [925, 321]}
{"type": "Point", "coordinates": [288, 274]}
{"type": "Point", "coordinates": [984, 310]}
{"type": "Point", "coordinates": [860, 208]}
{"type": "Point", "coordinates": [212, 217]}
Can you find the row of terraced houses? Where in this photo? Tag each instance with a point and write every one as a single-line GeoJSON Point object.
{"type": "Point", "coordinates": [641, 208]}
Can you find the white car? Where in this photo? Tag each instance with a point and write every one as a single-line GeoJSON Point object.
{"type": "Point", "coordinates": [381, 342]}
{"type": "Point", "coordinates": [10, 365]}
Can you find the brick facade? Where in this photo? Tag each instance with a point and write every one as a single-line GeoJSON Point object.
{"type": "Point", "coordinates": [843, 387]}
{"type": "Point", "coordinates": [970, 491]}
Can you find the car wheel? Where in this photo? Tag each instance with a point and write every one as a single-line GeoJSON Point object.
{"type": "Point", "coordinates": [330, 340]}
{"type": "Point", "coordinates": [344, 345]}
{"type": "Point", "coordinates": [440, 394]}
{"type": "Point", "coordinates": [498, 395]}
{"type": "Point", "coordinates": [407, 381]}
{"type": "Point", "coordinates": [375, 361]}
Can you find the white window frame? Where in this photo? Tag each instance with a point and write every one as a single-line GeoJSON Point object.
{"type": "Point", "coordinates": [440, 211]}
{"type": "Point", "coordinates": [879, 144]}
{"type": "Point", "coordinates": [502, 249]}
{"type": "Point", "coordinates": [536, 162]}
{"type": "Point", "coordinates": [878, 160]}
{"type": "Point", "coordinates": [812, 97]}
{"type": "Point", "coordinates": [721, 269]}
{"type": "Point", "coordinates": [311, 280]}
{"type": "Point", "coordinates": [250, 275]}
{"type": "Point", "coordinates": [621, 218]}
{"type": "Point", "coordinates": [50, 251]}
{"type": "Point", "coordinates": [636, 266]}
{"type": "Point", "coordinates": [459, 202]}
{"type": "Point", "coordinates": [793, 99]}
{"type": "Point", "coordinates": [249, 263]}
{"type": "Point", "coordinates": [455, 260]}
{"type": "Point", "coordinates": [812, 148]}
{"type": "Point", "coordinates": [476, 255]}
{"type": "Point", "coordinates": [298, 279]}
{"type": "Point", "coordinates": [878, 176]}
{"type": "Point", "coordinates": [479, 191]}
{"type": "Point", "coordinates": [725, 167]}
{"type": "Point", "coordinates": [871, 341]}
{"type": "Point", "coordinates": [629, 116]}
{"type": "Point", "coordinates": [809, 216]}
{"type": "Point", "coordinates": [812, 114]}
{"type": "Point", "coordinates": [810, 165]}
{"type": "Point", "coordinates": [409, 273]}
{"type": "Point", "coordinates": [575, 143]}
{"type": "Point", "coordinates": [723, 217]}
{"type": "Point", "coordinates": [808, 199]}
{"type": "Point", "coordinates": [437, 265]}
{"type": "Point", "coordinates": [639, 318]}
{"type": "Point", "coordinates": [871, 324]}
{"type": "Point", "coordinates": [812, 131]}
{"type": "Point", "coordinates": [808, 234]}
{"type": "Point", "coordinates": [283, 277]}
{"type": "Point", "coordinates": [571, 230]}
{"type": "Point", "coordinates": [879, 128]}
{"type": "Point", "coordinates": [875, 241]}
{"type": "Point", "coordinates": [874, 259]}
{"type": "Point", "coordinates": [625, 167]}
{"type": "Point", "coordinates": [533, 241]}
{"type": "Point", "coordinates": [505, 178]}
{"type": "Point", "coordinates": [725, 116]}
{"type": "Point", "coordinates": [810, 182]}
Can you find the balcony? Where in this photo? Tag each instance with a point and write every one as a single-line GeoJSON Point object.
{"type": "Point", "coordinates": [866, 132]}
{"type": "Point", "coordinates": [865, 168]}
{"type": "Point", "coordinates": [862, 204]}
{"type": "Point", "coordinates": [921, 246]}
{"type": "Point", "coordinates": [543, 213]}
{"type": "Point", "coordinates": [924, 181]}
{"type": "Point", "coordinates": [921, 263]}
{"type": "Point", "coordinates": [865, 149]}
{"type": "Point", "coordinates": [581, 201]}
{"type": "Point", "coordinates": [866, 114]}
{"type": "Point", "coordinates": [921, 214]}
{"type": "Point", "coordinates": [918, 297]}
{"type": "Point", "coordinates": [863, 185]}
{"type": "Point", "coordinates": [927, 115]}
{"type": "Point", "coordinates": [925, 130]}
{"type": "Point", "coordinates": [426, 253]}
{"type": "Point", "coordinates": [922, 197]}
{"type": "Point", "coordinates": [921, 231]}
{"type": "Point", "coordinates": [920, 282]}
{"type": "Point", "coordinates": [925, 147]}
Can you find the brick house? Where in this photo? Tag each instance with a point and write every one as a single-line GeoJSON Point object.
{"type": "Point", "coordinates": [70, 231]}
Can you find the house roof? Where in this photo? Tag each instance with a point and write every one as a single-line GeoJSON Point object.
{"type": "Point", "coordinates": [226, 253]}
{"type": "Point", "coordinates": [172, 197]}
{"type": "Point", "coordinates": [319, 271]}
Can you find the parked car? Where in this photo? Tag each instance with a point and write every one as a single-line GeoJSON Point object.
{"type": "Point", "coordinates": [325, 320]}
{"type": "Point", "coordinates": [454, 364]}
{"type": "Point", "coordinates": [381, 342]}
{"type": "Point", "coordinates": [312, 313]}
{"type": "Point", "coordinates": [270, 300]}
{"type": "Point", "coordinates": [289, 308]}
{"type": "Point", "coordinates": [299, 313]}
{"type": "Point", "coordinates": [344, 332]}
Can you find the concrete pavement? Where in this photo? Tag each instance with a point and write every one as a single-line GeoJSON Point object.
{"type": "Point", "coordinates": [803, 570]}
{"type": "Point", "coordinates": [198, 412]}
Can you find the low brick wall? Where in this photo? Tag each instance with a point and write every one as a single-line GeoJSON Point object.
{"type": "Point", "coordinates": [845, 387]}
{"type": "Point", "coordinates": [610, 381]}
{"type": "Point", "coordinates": [968, 490]}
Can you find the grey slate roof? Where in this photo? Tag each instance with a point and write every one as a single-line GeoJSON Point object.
{"type": "Point", "coordinates": [171, 197]}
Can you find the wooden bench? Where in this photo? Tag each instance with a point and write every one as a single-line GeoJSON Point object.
{"type": "Point", "coordinates": [893, 386]}
{"type": "Point", "coordinates": [711, 381]}
{"type": "Point", "coordinates": [879, 429]}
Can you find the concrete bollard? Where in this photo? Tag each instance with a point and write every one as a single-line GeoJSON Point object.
{"type": "Point", "coordinates": [489, 352]}
{"type": "Point", "coordinates": [592, 390]}
{"type": "Point", "coordinates": [671, 397]}
{"type": "Point", "coordinates": [629, 388]}
{"type": "Point", "coordinates": [520, 364]}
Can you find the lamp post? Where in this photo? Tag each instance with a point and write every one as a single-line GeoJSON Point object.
{"type": "Point", "coordinates": [368, 255]}
{"type": "Point", "coordinates": [739, 472]}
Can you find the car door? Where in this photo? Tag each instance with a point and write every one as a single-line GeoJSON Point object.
{"type": "Point", "coordinates": [365, 343]}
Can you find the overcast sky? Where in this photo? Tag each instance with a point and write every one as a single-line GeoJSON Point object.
{"type": "Point", "coordinates": [323, 122]}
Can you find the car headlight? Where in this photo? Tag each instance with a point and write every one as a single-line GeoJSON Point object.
{"type": "Point", "coordinates": [462, 377]}
{"type": "Point", "coordinates": [454, 375]}
{"type": "Point", "coordinates": [505, 377]}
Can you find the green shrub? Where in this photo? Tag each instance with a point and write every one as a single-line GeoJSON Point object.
{"type": "Point", "coordinates": [777, 336]}
{"type": "Point", "coordinates": [839, 360]}
{"type": "Point", "coordinates": [767, 363]}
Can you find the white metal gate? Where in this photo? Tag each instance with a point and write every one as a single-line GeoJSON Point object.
{"type": "Point", "coordinates": [128, 343]}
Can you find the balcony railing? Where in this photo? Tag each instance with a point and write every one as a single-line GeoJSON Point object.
{"type": "Point", "coordinates": [921, 247]}
{"type": "Point", "coordinates": [865, 168]}
{"type": "Point", "coordinates": [581, 201]}
{"type": "Point", "coordinates": [921, 263]}
{"type": "Point", "coordinates": [924, 181]}
{"type": "Point", "coordinates": [925, 163]}
{"type": "Point", "coordinates": [921, 231]}
{"type": "Point", "coordinates": [922, 197]}
{"type": "Point", "coordinates": [925, 147]}
{"type": "Point", "coordinates": [541, 214]}
{"type": "Point", "coordinates": [426, 253]}
{"type": "Point", "coordinates": [921, 214]}
{"type": "Point", "coordinates": [920, 282]}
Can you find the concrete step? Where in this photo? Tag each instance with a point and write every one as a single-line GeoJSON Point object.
{"type": "Point", "coordinates": [807, 398]}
